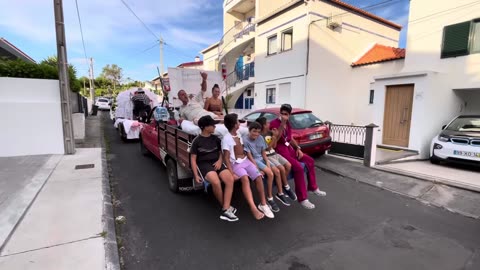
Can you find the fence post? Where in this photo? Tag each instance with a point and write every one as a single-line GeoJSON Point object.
{"type": "Point", "coordinates": [329, 125]}
{"type": "Point", "coordinates": [370, 146]}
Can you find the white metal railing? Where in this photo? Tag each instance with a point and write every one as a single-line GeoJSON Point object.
{"type": "Point", "coordinates": [238, 31]}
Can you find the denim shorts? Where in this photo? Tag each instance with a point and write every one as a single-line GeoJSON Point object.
{"type": "Point", "coordinates": [277, 160]}
{"type": "Point", "coordinates": [261, 163]}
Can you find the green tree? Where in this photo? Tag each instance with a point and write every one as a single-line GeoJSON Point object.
{"type": "Point", "coordinates": [112, 73]}
{"type": "Point", "coordinates": [75, 84]}
{"type": "Point", "coordinates": [102, 82]}
{"type": "Point", "coordinates": [47, 69]}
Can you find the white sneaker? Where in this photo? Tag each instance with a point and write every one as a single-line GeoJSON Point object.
{"type": "Point", "coordinates": [307, 204]}
{"type": "Point", "coordinates": [319, 192]}
{"type": "Point", "coordinates": [266, 210]}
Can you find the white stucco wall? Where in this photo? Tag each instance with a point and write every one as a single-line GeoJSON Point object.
{"type": "Point", "coordinates": [283, 67]}
{"type": "Point", "coordinates": [434, 104]}
{"type": "Point", "coordinates": [31, 117]}
{"type": "Point", "coordinates": [360, 83]}
{"type": "Point", "coordinates": [296, 98]}
{"type": "Point", "coordinates": [470, 100]}
{"type": "Point", "coordinates": [336, 91]}
{"type": "Point", "coordinates": [448, 87]}
{"type": "Point", "coordinates": [425, 35]}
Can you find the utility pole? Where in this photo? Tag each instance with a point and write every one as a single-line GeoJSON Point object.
{"type": "Point", "coordinates": [92, 81]}
{"type": "Point", "coordinates": [161, 55]}
{"type": "Point", "coordinates": [68, 139]}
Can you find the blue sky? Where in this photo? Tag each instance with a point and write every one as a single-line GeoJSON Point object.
{"type": "Point", "coordinates": [114, 36]}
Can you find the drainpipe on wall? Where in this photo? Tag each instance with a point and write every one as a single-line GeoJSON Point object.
{"type": "Point", "coordinates": [307, 56]}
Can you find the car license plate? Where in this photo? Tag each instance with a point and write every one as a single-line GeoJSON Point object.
{"type": "Point", "coordinates": [316, 136]}
{"type": "Point", "coordinates": [466, 154]}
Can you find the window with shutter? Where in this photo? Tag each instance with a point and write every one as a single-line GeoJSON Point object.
{"type": "Point", "coordinates": [456, 39]}
{"type": "Point", "coordinates": [475, 45]}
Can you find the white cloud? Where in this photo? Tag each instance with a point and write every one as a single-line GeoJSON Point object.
{"type": "Point", "coordinates": [106, 23]}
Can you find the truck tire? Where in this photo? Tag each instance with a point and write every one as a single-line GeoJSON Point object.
{"type": "Point", "coordinates": [121, 132]}
{"type": "Point", "coordinates": [143, 149]}
{"type": "Point", "coordinates": [172, 175]}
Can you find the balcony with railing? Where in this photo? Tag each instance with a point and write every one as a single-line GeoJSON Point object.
{"type": "Point", "coordinates": [240, 76]}
{"type": "Point", "coordinates": [241, 32]}
{"type": "Point", "coordinates": [240, 6]}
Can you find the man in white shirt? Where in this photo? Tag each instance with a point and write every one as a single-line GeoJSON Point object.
{"type": "Point", "coordinates": [192, 108]}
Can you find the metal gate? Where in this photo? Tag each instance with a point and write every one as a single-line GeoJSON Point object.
{"type": "Point", "coordinates": [348, 140]}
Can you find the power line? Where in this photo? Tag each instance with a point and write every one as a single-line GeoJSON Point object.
{"type": "Point", "coordinates": [443, 11]}
{"type": "Point", "coordinates": [149, 48]}
{"type": "Point", "coordinates": [81, 32]}
{"type": "Point", "coordinates": [362, 8]}
{"type": "Point", "coordinates": [138, 18]}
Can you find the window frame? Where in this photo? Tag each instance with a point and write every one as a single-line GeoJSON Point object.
{"type": "Point", "coordinates": [470, 42]}
{"type": "Point", "coordinates": [371, 98]}
{"type": "Point", "coordinates": [273, 90]}
{"type": "Point", "coordinates": [268, 44]}
{"type": "Point", "coordinates": [287, 31]}
{"type": "Point", "coordinates": [471, 37]}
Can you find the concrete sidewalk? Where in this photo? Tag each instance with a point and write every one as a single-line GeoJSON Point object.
{"type": "Point", "coordinates": [69, 224]}
{"type": "Point", "coordinates": [21, 178]}
{"type": "Point", "coordinates": [456, 200]}
{"type": "Point", "coordinates": [448, 174]}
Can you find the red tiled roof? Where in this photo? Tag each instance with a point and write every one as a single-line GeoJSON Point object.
{"type": "Point", "coordinates": [365, 13]}
{"type": "Point", "coordinates": [380, 53]}
{"type": "Point", "coordinates": [191, 64]}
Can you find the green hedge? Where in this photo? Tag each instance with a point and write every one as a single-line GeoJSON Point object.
{"type": "Point", "coordinates": [22, 69]}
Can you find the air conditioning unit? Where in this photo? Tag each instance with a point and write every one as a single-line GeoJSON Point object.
{"type": "Point", "coordinates": [333, 22]}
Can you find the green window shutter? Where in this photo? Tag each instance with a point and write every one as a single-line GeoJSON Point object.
{"type": "Point", "coordinates": [455, 40]}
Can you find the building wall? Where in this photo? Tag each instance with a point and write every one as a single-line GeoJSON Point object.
{"type": "Point", "coordinates": [210, 59]}
{"type": "Point", "coordinates": [31, 114]}
{"type": "Point", "coordinates": [360, 83]}
{"type": "Point", "coordinates": [434, 104]}
{"type": "Point", "coordinates": [283, 67]}
{"type": "Point", "coordinates": [266, 7]}
{"type": "Point", "coordinates": [425, 35]}
{"type": "Point", "coordinates": [334, 88]}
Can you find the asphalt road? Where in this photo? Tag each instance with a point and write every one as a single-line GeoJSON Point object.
{"type": "Point", "coordinates": [355, 227]}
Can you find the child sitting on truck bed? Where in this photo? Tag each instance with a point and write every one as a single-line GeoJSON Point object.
{"type": "Point", "coordinates": [271, 138]}
{"type": "Point", "coordinates": [241, 167]}
{"type": "Point", "coordinates": [256, 152]}
{"type": "Point", "coordinates": [206, 158]}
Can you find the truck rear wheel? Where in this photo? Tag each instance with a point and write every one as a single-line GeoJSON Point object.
{"type": "Point", "coordinates": [172, 175]}
{"type": "Point", "coordinates": [121, 132]}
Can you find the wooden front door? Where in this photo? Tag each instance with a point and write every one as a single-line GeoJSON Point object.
{"type": "Point", "coordinates": [398, 114]}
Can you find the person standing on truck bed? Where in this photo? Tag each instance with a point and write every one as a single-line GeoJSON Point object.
{"type": "Point", "coordinates": [193, 109]}
{"type": "Point", "coordinates": [290, 150]}
{"type": "Point", "coordinates": [207, 162]}
{"type": "Point", "coordinates": [141, 102]}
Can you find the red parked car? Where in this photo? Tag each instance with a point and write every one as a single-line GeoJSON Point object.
{"type": "Point", "coordinates": [309, 131]}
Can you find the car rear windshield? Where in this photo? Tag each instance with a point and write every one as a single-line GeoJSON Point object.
{"type": "Point", "coordinates": [304, 120]}
{"type": "Point", "coordinates": [467, 124]}
{"type": "Point", "coordinates": [103, 100]}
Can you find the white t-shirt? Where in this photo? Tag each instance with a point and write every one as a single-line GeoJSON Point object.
{"type": "Point", "coordinates": [228, 143]}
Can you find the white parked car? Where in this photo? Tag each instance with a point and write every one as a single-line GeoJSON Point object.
{"type": "Point", "coordinates": [103, 104]}
{"type": "Point", "coordinates": [459, 141]}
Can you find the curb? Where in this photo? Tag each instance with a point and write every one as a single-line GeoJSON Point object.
{"type": "Point", "coordinates": [426, 202]}
{"type": "Point", "coordinates": [435, 180]}
{"type": "Point", "coordinates": [334, 172]}
{"type": "Point", "coordinates": [112, 259]}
